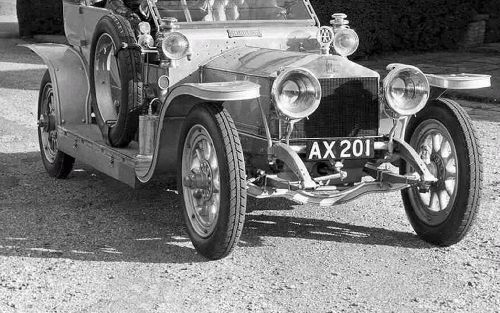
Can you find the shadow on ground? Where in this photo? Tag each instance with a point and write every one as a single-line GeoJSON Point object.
{"type": "Point", "coordinates": [93, 217]}
{"type": "Point", "coordinates": [87, 217]}
{"type": "Point", "coordinates": [22, 79]}
{"type": "Point", "coordinates": [12, 52]}
{"type": "Point", "coordinates": [9, 29]}
{"type": "Point", "coordinates": [258, 226]}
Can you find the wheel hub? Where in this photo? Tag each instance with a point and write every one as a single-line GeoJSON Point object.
{"type": "Point", "coordinates": [47, 122]}
{"type": "Point", "coordinates": [201, 181]}
{"type": "Point", "coordinates": [437, 168]}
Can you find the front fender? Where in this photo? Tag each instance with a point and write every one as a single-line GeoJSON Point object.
{"type": "Point", "coordinates": [69, 76]}
{"type": "Point", "coordinates": [176, 107]}
{"type": "Point", "coordinates": [459, 81]}
{"type": "Point", "coordinates": [439, 85]}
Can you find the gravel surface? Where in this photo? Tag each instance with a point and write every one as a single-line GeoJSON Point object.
{"type": "Point", "coordinates": [92, 244]}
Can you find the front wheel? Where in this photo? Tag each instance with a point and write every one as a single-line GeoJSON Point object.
{"type": "Point", "coordinates": [212, 180]}
{"type": "Point", "coordinates": [444, 137]}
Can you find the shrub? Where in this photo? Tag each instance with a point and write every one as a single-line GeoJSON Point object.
{"type": "Point", "coordinates": [383, 25]}
{"type": "Point", "coordinates": [388, 25]}
{"type": "Point", "coordinates": [40, 17]}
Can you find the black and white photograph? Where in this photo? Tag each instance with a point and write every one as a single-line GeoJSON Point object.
{"type": "Point", "coordinates": [274, 156]}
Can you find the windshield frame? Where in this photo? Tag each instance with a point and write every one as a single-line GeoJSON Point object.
{"type": "Point", "coordinates": [312, 21]}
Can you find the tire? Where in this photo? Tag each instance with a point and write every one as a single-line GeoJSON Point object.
{"type": "Point", "coordinates": [58, 164]}
{"type": "Point", "coordinates": [444, 215]}
{"type": "Point", "coordinates": [116, 80]}
{"type": "Point", "coordinates": [212, 179]}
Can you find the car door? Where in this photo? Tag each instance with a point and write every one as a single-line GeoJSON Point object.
{"type": "Point", "coordinates": [91, 16]}
{"type": "Point", "coordinates": [73, 21]}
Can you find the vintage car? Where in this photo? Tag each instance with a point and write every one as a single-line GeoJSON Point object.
{"type": "Point", "coordinates": [253, 97]}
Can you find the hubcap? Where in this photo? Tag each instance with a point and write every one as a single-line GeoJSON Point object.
{"type": "Point", "coordinates": [107, 79]}
{"type": "Point", "coordinates": [201, 181]}
{"type": "Point", "coordinates": [47, 124]}
{"type": "Point", "coordinates": [436, 147]}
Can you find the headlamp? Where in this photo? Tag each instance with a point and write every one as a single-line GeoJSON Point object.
{"type": "Point", "coordinates": [296, 93]}
{"type": "Point", "coordinates": [406, 90]}
{"type": "Point", "coordinates": [175, 46]}
{"type": "Point", "coordinates": [345, 41]}
{"type": "Point", "coordinates": [145, 39]}
{"type": "Point", "coordinates": [144, 28]}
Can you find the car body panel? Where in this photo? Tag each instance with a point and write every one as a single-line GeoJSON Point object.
{"type": "Point", "coordinates": [265, 62]}
{"type": "Point", "coordinates": [178, 104]}
{"type": "Point", "coordinates": [262, 66]}
{"type": "Point", "coordinates": [79, 24]}
{"type": "Point", "coordinates": [70, 80]}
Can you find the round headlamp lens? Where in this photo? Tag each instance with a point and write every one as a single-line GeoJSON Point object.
{"type": "Point", "coordinates": [346, 42]}
{"type": "Point", "coordinates": [296, 93]}
{"type": "Point", "coordinates": [399, 88]}
{"type": "Point", "coordinates": [175, 46]}
{"type": "Point", "coordinates": [406, 90]}
{"type": "Point", "coordinates": [290, 92]}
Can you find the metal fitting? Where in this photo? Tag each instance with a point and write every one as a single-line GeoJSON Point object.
{"type": "Point", "coordinates": [339, 21]}
{"type": "Point", "coordinates": [169, 24]}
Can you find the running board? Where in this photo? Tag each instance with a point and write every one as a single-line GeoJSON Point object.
{"type": "Point", "coordinates": [84, 143]}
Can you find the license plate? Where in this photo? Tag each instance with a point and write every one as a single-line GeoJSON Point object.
{"type": "Point", "coordinates": [340, 148]}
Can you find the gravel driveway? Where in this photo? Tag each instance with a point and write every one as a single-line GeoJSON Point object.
{"type": "Point", "coordinates": [92, 244]}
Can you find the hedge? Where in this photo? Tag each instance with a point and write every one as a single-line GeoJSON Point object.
{"type": "Point", "coordinates": [389, 25]}
{"type": "Point", "coordinates": [383, 25]}
{"type": "Point", "coordinates": [39, 17]}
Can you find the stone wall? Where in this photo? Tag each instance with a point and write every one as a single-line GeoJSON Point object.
{"type": "Point", "coordinates": [475, 33]}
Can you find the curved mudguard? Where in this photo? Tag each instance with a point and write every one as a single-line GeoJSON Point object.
{"type": "Point", "coordinates": [176, 107]}
{"type": "Point", "coordinates": [69, 76]}
{"type": "Point", "coordinates": [439, 83]}
{"type": "Point", "coordinates": [459, 81]}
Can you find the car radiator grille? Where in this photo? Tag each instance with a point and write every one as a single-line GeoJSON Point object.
{"type": "Point", "coordinates": [349, 108]}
